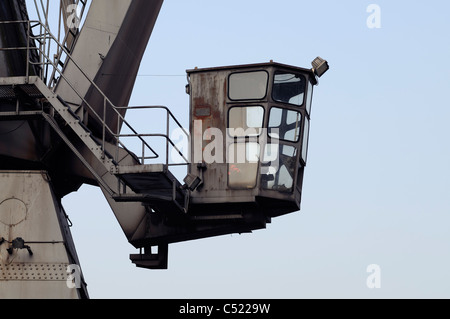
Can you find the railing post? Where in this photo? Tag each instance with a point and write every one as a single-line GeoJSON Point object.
{"type": "Point", "coordinates": [117, 138]}
{"type": "Point", "coordinates": [167, 137]}
{"type": "Point", "coordinates": [104, 128]}
{"type": "Point", "coordinates": [143, 153]}
{"type": "Point", "coordinates": [28, 51]}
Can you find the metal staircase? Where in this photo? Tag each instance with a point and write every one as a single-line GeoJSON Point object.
{"type": "Point", "coordinates": [152, 184]}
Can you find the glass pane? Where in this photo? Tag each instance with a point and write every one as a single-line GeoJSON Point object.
{"type": "Point", "coordinates": [248, 85]}
{"type": "Point", "coordinates": [285, 124]}
{"type": "Point", "coordinates": [289, 88]}
{"type": "Point", "coordinates": [305, 142]}
{"type": "Point", "coordinates": [243, 170]}
{"type": "Point", "coordinates": [245, 121]}
{"type": "Point", "coordinates": [271, 152]}
{"type": "Point", "coordinates": [285, 179]}
{"type": "Point", "coordinates": [309, 98]}
{"type": "Point", "coordinates": [252, 152]}
{"type": "Point", "coordinates": [275, 117]}
{"type": "Point", "coordinates": [279, 175]}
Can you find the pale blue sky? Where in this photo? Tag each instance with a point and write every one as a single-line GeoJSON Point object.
{"type": "Point", "coordinates": [377, 185]}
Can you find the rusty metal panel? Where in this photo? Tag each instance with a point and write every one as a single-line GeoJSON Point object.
{"type": "Point", "coordinates": [208, 113]}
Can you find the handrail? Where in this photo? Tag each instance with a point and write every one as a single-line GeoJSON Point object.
{"type": "Point", "coordinates": [169, 116]}
{"type": "Point", "coordinates": [46, 35]}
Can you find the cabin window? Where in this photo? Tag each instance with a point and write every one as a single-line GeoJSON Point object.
{"type": "Point", "coordinates": [243, 165]}
{"type": "Point", "coordinates": [289, 88]}
{"type": "Point", "coordinates": [245, 121]}
{"type": "Point", "coordinates": [279, 174]}
{"type": "Point", "coordinates": [248, 85]}
{"type": "Point", "coordinates": [285, 124]}
{"type": "Point", "coordinates": [309, 98]}
{"type": "Point", "coordinates": [305, 142]}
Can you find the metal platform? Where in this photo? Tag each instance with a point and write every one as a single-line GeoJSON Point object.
{"type": "Point", "coordinates": [153, 185]}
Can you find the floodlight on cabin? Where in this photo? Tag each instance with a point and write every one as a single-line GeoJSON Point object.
{"type": "Point", "coordinates": [320, 66]}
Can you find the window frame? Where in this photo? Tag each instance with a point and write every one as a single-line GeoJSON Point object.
{"type": "Point", "coordinates": [279, 174]}
{"type": "Point", "coordinates": [248, 99]}
{"type": "Point", "coordinates": [304, 82]}
{"type": "Point", "coordinates": [287, 110]}
{"type": "Point", "coordinates": [248, 164]}
{"type": "Point", "coordinates": [260, 129]}
{"type": "Point", "coordinates": [305, 140]}
{"type": "Point", "coordinates": [309, 98]}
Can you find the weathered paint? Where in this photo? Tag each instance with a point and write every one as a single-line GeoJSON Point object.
{"type": "Point", "coordinates": [29, 210]}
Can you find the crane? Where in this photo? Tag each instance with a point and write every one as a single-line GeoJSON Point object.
{"type": "Point", "coordinates": [64, 95]}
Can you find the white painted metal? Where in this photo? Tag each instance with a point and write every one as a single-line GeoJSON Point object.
{"type": "Point", "coordinates": [97, 36]}
{"type": "Point", "coordinates": [29, 210]}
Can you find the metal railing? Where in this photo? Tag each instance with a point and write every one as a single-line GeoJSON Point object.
{"type": "Point", "coordinates": [39, 33]}
{"type": "Point", "coordinates": [166, 135]}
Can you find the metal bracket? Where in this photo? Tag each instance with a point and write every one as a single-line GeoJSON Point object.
{"type": "Point", "coordinates": [151, 260]}
{"type": "Point", "coordinates": [114, 170]}
{"type": "Point", "coordinates": [18, 243]}
{"type": "Point", "coordinates": [192, 182]}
